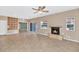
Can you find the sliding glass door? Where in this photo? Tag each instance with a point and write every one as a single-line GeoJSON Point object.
{"type": "Point", "coordinates": [23, 27]}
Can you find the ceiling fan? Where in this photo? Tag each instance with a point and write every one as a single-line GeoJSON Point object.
{"type": "Point", "coordinates": [40, 9]}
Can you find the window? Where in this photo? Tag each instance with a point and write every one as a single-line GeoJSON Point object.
{"type": "Point", "coordinates": [70, 24]}
{"type": "Point", "coordinates": [70, 27]}
{"type": "Point", "coordinates": [43, 25]}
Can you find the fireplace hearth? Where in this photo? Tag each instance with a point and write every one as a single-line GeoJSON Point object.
{"type": "Point", "coordinates": [55, 30]}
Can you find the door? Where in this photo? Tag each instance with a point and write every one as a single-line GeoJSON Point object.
{"type": "Point", "coordinates": [33, 27]}
{"type": "Point", "coordinates": [23, 27]}
{"type": "Point", "coordinates": [3, 27]}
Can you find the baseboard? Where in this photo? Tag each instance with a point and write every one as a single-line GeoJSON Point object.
{"type": "Point", "coordinates": [43, 34]}
{"type": "Point", "coordinates": [72, 40]}
{"type": "Point", "coordinates": [12, 33]}
{"type": "Point", "coordinates": [2, 33]}
{"type": "Point", "coordinates": [64, 38]}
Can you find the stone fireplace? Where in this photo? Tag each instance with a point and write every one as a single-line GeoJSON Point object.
{"type": "Point", "coordinates": [55, 30]}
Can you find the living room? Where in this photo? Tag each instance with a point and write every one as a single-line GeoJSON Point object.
{"type": "Point", "coordinates": [54, 28]}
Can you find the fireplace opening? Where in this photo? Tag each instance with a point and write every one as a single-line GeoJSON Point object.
{"type": "Point", "coordinates": [55, 30]}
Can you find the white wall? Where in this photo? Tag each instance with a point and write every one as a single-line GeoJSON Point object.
{"type": "Point", "coordinates": [3, 27]}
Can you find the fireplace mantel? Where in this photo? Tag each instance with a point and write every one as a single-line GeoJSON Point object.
{"type": "Point", "coordinates": [56, 26]}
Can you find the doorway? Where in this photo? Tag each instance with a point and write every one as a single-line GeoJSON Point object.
{"type": "Point", "coordinates": [33, 27]}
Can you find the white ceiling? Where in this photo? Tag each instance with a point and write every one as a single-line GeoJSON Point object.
{"type": "Point", "coordinates": [26, 12]}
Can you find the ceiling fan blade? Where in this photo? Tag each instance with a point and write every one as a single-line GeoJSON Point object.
{"type": "Point", "coordinates": [34, 9]}
{"type": "Point", "coordinates": [39, 7]}
{"type": "Point", "coordinates": [45, 11]}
